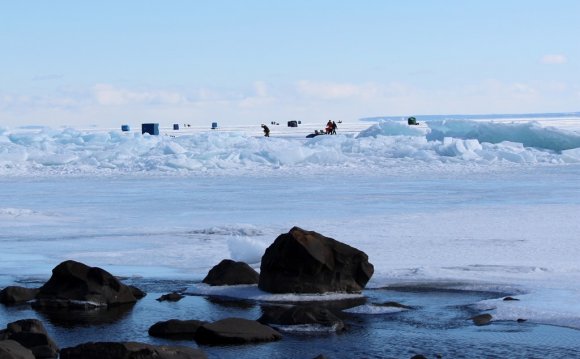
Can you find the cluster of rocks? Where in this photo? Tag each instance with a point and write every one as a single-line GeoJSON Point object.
{"type": "Point", "coordinates": [299, 261]}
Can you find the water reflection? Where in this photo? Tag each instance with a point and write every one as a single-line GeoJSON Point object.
{"type": "Point", "coordinates": [67, 318]}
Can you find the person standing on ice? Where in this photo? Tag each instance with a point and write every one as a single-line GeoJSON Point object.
{"type": "Point", "coordinates": [266, 130]}
{"type": "Point", "coordinates": [329, 127]}
{"type": "Point", "coordinates": [334, 128]}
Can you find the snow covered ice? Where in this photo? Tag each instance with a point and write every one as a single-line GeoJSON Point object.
{"type": "Point", "coordinates": [491, 205]}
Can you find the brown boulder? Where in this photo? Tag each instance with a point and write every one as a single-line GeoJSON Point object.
{"type": "Point", "coordinates": [307, 262]}
{"type": "Point", "coordinates": [75, 284]}
{"type": "Point", "coordinates": [229, 272]}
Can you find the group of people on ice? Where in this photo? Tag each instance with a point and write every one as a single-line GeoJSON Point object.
{"type": "Point", "coordinates": [331, 128]}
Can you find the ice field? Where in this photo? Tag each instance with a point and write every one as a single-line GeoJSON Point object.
{"type": "Point", "coordinates": [462, 204]}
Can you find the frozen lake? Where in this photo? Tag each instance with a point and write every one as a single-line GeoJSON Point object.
{"type": "Point", "coordinates": [455, 213]}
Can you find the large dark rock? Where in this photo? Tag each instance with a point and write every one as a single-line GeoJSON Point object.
{"type": "Point", "coordinates": [10, 349]}
{"type": "Point", "coordinates": [75, 284]}
{"type": "Point", "coordinates": [176, 329]}
{"type": "Point", "coordinates": [235, 331]}
{"type": "Point", "coordinates": [308, 262]}
{"type": "Point", "coordinates": [30, 333]}
{"type": "Point", "coordinates": [129, 350]}
{"type": "Point", "coordinates": [229, 272]}
{"type": "Point", "coordinates": [15, 294]}
{"type": "Point", "coordinates": [298, 315]}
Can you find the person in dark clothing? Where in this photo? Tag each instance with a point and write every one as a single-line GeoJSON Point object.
{"type": "Point", "coordinates": [266, 130]}
{"type": "Point", "coordinates": [329, 127]}
{"type": "Point", "coordinates": [334, 128]}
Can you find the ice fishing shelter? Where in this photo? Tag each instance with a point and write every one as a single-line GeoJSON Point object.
{"type": "Point", "coordinates": [214, 125]}
{"type": "Point", "coordinates": [175, 126]}
{"type": "Point", "coordinates": [412, 121]}
{"type": "Point", "coordinates": [125, 128]}
{"type": "Point", "coordinates": [292, 123]}
{"type": "Point", "coordinates": [150, 128]}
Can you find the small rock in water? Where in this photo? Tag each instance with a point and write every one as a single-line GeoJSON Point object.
{"type": "Point", "coordinates": [509, 298]}
{"type": "Point", "coordinates": [482, 319]}
{"type": "Point", "coordinates": [171, 297]}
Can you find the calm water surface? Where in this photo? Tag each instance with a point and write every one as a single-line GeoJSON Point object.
{"type": "Point", "coordinates": [438, 324]}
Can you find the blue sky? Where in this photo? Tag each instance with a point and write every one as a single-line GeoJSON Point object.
{"type": "Point", "coordinates": [111, 62]}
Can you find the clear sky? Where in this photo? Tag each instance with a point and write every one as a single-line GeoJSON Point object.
{"type": "Point", "coordinates": [107, 63]}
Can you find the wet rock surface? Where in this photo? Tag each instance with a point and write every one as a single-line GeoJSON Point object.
{"type": "Point", "coordinates": [235, 331]}
{"type": "Point", "coordinates": [31, 334]}
{"type": "Point", "coordinates": [229, 272]}
{"type": "Point", "coordinates": [74, 284]}
{"type": "Point", "coordinates": [303, 261]}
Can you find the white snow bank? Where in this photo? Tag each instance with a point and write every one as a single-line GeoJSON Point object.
{"type": "Point", "coordinates": [382, 145]}
{"type": "Point", "coordinates": [246, 249]}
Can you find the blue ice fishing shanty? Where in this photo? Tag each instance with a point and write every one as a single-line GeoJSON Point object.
{"type": "Point", "coordinates": [125, 128]}
{"type": "Point", "coordinates": [150, 128]}
{"type": "Point", "coordinates": [214, 125]}
{"type": "Point", "coordinates": [175, 126]}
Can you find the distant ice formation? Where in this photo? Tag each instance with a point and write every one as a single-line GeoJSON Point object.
{"type": "Point", "coordinates": [71, 151]}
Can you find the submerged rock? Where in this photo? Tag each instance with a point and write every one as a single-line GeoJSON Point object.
{"type": "Point", "coordinates": [129, 350]}
{"type": "Point", "coordinates": [307, 262]}
{"type": "Point", "coordinates": [229, 272]}
{"type": "Point", "coordinates": [170, 297]}
{"type": "Point", "coordinates": [235, 331]}
{"type": "Point", "coordinates": [31, 334]}
{"type": "Point", "coordinates": [507, 299]}
{"type": "Point", "coordinates": [299, 315]}
{"type": "Point", "coordinates": [15, 294]}
{"type": "Point", "coordinates": [74, 284]}
{"type": "Point", "coordinates": [482, 319]}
